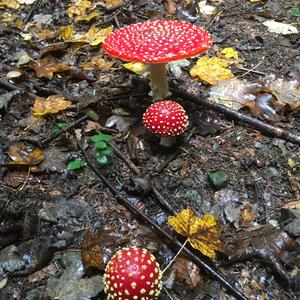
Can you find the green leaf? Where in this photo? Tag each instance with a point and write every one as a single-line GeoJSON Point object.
{"type": "Point", "coordinates": [101, 137]}
{"type": "Point", "coordinates": [101, 145]}
{"type": "Point", "coordinates": [295, 11]}
{"type": "Point", "coordinates": [59, 126]}
{"type": "Point", "coordinates": [108, 151]}
{"type": "Point", "coordinates": [102, 159]}
{"type": "Point", "coordinates": [76, 164]}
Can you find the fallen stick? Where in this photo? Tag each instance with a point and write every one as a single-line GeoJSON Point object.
{"type": "Point", "coordinates": [235, 115]}
{"type": "Point", "coordinates": [163, 234]}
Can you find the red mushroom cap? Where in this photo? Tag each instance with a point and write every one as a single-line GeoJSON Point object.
{"type": "Point", "coordinates": [166, 118]}
{"type": "Point", "coordinates": [132, 274]}
{"type": "Point", "coordinates": [157, 41]}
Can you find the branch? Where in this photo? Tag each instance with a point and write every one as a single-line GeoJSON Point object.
{"type": "Point", "coordinates": [233, 114]}
{"type": "Point", "coordinates": [163, 234]}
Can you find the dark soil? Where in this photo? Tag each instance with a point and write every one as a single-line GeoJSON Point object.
{"type": "Point", "coordinates": [51, 210]}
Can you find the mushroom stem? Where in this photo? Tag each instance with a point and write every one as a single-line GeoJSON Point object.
{"type": "Point", "coordinates": [167, 141]}
{"type": "Point", "coordinates": [159, 82]}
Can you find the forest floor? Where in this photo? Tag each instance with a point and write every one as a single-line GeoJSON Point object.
{"type": "Point", "coordinates": [66, 207]}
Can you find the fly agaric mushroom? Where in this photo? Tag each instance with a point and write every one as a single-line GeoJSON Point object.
{"type": "Point", "coordinates": [167, 119]}
{"type": "Point", "coordinates": [132, 274]}
{"type": "Point", "coordinates": [156, 43]}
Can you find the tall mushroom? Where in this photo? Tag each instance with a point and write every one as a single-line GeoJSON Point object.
{"type": "Point", "coordinates": [156, 43]}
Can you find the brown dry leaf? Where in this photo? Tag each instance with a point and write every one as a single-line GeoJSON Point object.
{"type": "Point", "coordinates": [91, 253]}
{"type": "Point", "coordinates": [47, 66]}
{"type": "Point", "coordinates": [170, 6]}
{"type": "Point", "coordinates": [97, 248]}
{"type": "Point", "coordinates": [46, 34]}
{"type": "Point", "coordinates": [211, 70]}
{"type": "Point", "coordinates": [52, 105]}
{"type": "Point", "coordinates": [187, 272]}
{"type": "Point", "coordinates": [292, 205]}
{"type": "Point", "coordinates": [247, 215]}
{"type": "Point", "coordinates": [202, 233]}
{"type": "Point", "coordinates": [97, 62]}
{"type": "Point", "coordinates": [10, 4]}
{"type": "Point", "coordinates": [66, 33]}
{"type": "Point", "coordinates": [79, 8]}
{"type": "Point", "coordinates": [15, 178]}
{"type": "Point", "coordinates": [112, 3]}
{"type": "Point", "coordinates": [25, 154]}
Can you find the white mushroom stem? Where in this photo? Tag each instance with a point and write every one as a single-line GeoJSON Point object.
{"type": "Point", "coordinates": [159, 82]}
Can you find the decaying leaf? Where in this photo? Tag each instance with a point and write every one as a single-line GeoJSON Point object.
{"type": "Point", "coordinates": [15, 178]}
{"type": "Point", "coordinates": [52, 105]}
{"type": "Point", "coordinates": [267, 244]}
{"type": "Point", "coordinates": [187, 272]}
{"type": "Point", "coordinates": [97, 248]}
{"type": "Point", "coordinates": [287, 92]}
{"type": "Point", "coordinates": [97, 63]}
{"type": "Point", "coordinates": [25, 154]}
{"type": "Point", "coordinates": [234, 93]}
{"type": "Point", "coordinates": [47, 66]}
{"type": "Point", "coordinates": [88, 17]}
{"type": "Point", "coordinates": [280, 28]}
{"type": "Point", "coordinates": [211, 70]}
{"type": "Point", "coordinates": [112, 3]}
{"type": "Point", "coordinates": [202, 233]}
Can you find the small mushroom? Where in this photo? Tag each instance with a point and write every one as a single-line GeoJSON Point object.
{"type": "Point", "coordinates": [167, 119]}
{"type": "Point", "coordinates": [132, 274]}
{"type": "Point", "coordinates": [156, 43]}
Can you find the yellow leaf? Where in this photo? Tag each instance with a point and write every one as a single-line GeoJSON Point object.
{"type": "Point", "coordinates": [10, 4]}
{"type": "Point", "coordinates": [228, 53]}
{"type": "Point", "coordinates": [66, 32]}
{"type": "Point", "coordinates": [112, 3]}
{"type": "Point", "coordinates": [97, 36]}
{"type": "Point", "coordinates": [137, 68]}
{"type": "Point", "coordinates": [51, 105]}
{"type": "Point", "coordinates": [88, 17]}
{"type": "Point", "coordinates": [211, 70]}
{"type": "Point", "coordinates": [79, 8]}
{"type": "Point", "coordinates": [202, 233]}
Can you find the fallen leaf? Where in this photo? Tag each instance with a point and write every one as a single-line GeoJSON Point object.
{"type": "Point", "coordinates": [202, 233]}
{"type": "Point", "coordinates": [187, 272]}
{"type": "Point", "coordinates": [292, 205]}
{"type": "Point", "coordinates": [47, 66]}
{"type": "Point", "coordinates": [52, 105]}
{"type": "Point", "coordinates": [211, 70]}
{"type": "Point", "coordinates": [287, 92]}
{"type": "Point", "coordinates": [15, 178]}
{"type": "Point", "coordinates": [97, 63]}
{"type": "Point", "coordinates": [26, 1]}
{"type": "Point", "coordinates": [6, 97]}
{"type": "Point", "coordinates": [66, 33]}
{"type": "Point", "coordinates": [88, 17]}
{"type": "Point", "coordinates": [79, 8]}
{"type": "Point", "coordinates": [228, 53]}
{"type": "Point", "coordinates": [137, 68]}
{"type": "Point", "coordinates": [10, 4]}
{"type": "Point", "coordinates": [112, 3]}
{"type": "Point", "coordinates": [234, 93]}
{"type": "Point", "coordinates": [280, 28]}
{"type": "Point", "coordinates": [247, 215]}
{"type": "Point", "coordinates": [25, 154]}
{"type": "Point", "coordinates": [46, 34]}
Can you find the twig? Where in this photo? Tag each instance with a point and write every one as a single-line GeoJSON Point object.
{"type": "Point", "coordinates": [163, 234]}
{"type": "Point", "coordinates": [233, 114]}
{"type": "Point", "coordinates": [35, 5]}
{"type": "Point", "coordinates": [127, 161]}
{"type": "Point", "coordinates": [90, 114]}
